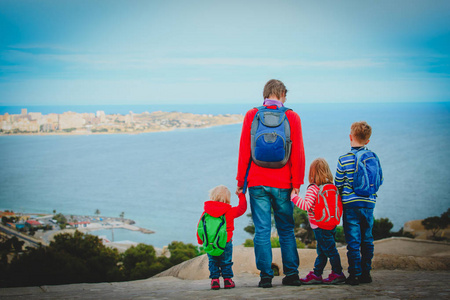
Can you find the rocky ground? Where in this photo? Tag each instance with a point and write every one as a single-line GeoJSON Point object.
{"type": "Point", "coordinates": [403, 269]}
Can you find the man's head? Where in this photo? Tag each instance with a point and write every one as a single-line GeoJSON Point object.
{"type": "Point", "coordinates": [360, 133]}
{"type": "Point", "coordinates": [275, 90]}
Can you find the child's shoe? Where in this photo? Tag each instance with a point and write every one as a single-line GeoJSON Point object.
{"type": "Point", "coordinates": [334, 278]}
{"type": "Point", "coordinates": [352, 280]}
{"type": "Point", "coordinates": [311, 278]}
{"type": "Point", "coordinates": [265, 283]}
{"type": "Point", "coordinates": [215, 284]}
{"type": "Point", "coordinates": [292, 280]}
{"type": "Point", "coordinates": [228, 283]}
{"type": "Point", "coordinates": [365, 278]}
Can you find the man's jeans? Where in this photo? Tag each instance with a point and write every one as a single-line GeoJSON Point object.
{"type": "Point", "coordinates": [262, 199]}
{"type": "Point", "coordinates": [358, 223]}
{"type": "Point", "coordinates": [222, 264]}
{"type": "Point", "coordinates": [326, 248]}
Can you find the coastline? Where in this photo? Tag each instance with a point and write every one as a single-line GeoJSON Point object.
{"type": "Point", "coordinates": [68, 123]}
{"type": "Point", "coordinates": [86, 133]}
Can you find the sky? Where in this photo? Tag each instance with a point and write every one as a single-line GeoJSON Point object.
{"type": "Point", "coordinates": [68, 52]}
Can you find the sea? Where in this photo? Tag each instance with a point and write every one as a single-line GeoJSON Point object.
{"type": "Point", "coordinates": [161, 179]}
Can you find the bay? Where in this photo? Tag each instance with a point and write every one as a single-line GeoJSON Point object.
{"type": "Point", "coordinates": [162, 179]}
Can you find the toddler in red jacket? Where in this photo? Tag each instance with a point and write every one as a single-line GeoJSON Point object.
{"type": "Point", "coordinates": [218, 205]}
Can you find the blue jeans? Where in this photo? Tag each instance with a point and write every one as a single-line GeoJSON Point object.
{"type": "Point", "coordinates": [326, 248]}
{"type": "Point", "coordinates": [358, 224]}
{"type": "Point", "coordinates": [222, 264]}
{"type": "Point", "coordinates": [262, 199]}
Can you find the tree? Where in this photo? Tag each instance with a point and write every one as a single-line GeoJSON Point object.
{"type": "Point", "coordinates": [435, 224]}
{"type": "Point", "coordinates": [122, 215]}
{"type": "Point", "coordinates": [139, 262]}
{"type": "Point", "coordinates": [68, 259]}
{"type": "Point", "coordinates": [250, 228]}
{"type": "Point", "coordinates": [60, 218]}
{"type": "Point", "coordinates": [180, 252]}
{"type": "Point", "coordinates": [381, 228]}
{"type": "Point", "coordinates": [97, 212]}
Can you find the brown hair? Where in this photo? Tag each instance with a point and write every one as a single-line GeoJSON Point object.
{"type": "Point", "coordinates": [361, 131]}
{"type": "Point", "coordinates": [274, 87]}
{"type": "Point", "coordinates": [220, 194]}
{"type": "Point", "coordinates": [319, 172]}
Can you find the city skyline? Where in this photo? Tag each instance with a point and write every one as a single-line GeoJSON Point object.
{"type": "Point", "coordinates": [206, 52]}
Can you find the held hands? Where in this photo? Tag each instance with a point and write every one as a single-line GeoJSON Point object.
{"type": "Point", "coordinates": [294, 192]}
{"type": "Point", "coordinates": [239, 190]}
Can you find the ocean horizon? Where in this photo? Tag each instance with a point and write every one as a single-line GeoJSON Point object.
{"type": "Point", "coordinates": [161, 179]}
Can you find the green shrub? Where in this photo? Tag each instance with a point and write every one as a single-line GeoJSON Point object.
{"type": "Point", "coordinates": [381, 228]}
{"type": "Point", "coordinates": [300, 244]}
{"type": "Point", "coordinates": [340, 236]}
{"type": "Point", "coordinates": [249, 243]}
{"type": "Point", "coordinates": [275, 242]}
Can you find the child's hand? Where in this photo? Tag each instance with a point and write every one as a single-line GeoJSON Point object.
{"type": "Point", "coordinates": [239, 190]}
{"type": "Point", "coordinates": [293, 195]}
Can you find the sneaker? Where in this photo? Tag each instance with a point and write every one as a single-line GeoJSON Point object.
{"type": "Point", "coordinates": [352, 280]}
{"type": "Point", "coordinates": [365, 278]}
{"type": "Point", "coordinates": [292, 280]}
{"type": "Point", "coordinates": [265, 283]}
{"type": "Point", "coordinates": [228, 283]}
{"type": "Point", "coordinates": [334, 278]}
{"type": "Point", "coordinates": [215, 284]}
{"type": "Point", "coordinates": [311, 278]}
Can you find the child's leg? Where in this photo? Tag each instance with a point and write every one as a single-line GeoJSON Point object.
{"type": "Point", "coordinates": [367, 247]}
{"type": "Point", "coordinates": [328, 249]}
{"type": "Point", "coordinates": [352, 233]}
{"type": "Point", "coordinates": [214, 271]}
{"type": "Point", "coordinates": [321, 259]}
{"type": "Point", "coordinates": [226, 262]}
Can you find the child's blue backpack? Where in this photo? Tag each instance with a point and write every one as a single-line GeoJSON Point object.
{"type": "Point", "coordinates": [213, 232]}
{"type": "Point", "coordinates": [368, 174]}
{"type": "Point", "coordinates": [271, 137]}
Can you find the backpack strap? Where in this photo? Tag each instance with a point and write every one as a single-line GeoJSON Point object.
{"type": "Point", "coordinates": [205, 234]}
{"type": "Point", "coordinates": [222, 217]}
{"type": "Point", "coordinates": [246, 175]}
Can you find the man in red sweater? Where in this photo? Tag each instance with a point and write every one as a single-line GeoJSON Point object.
{"type": "Point", "coordinates": [271, 189]}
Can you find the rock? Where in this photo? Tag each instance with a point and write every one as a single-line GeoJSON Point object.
{"type": "Point", "coordinates": [390, 254]}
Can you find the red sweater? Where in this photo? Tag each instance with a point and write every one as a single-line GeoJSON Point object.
{"type": "Point", "coordinates": [217, 209]}
{"type": "Point", "coordinates": [289, 176]}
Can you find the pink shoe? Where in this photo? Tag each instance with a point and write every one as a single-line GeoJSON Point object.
{"type": "Point", "coordinates": [229, 283]}
{"type": "Point", "coordinates": [215, 284]}
{"type": "Point", "coordinates": [311, 278]}
{"type": "Point", "coordinates": [334, 278]}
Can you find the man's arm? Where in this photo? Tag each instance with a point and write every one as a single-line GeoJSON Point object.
{"type": "Point", "coordinates": [244, 150]}
{"type": "Point", "coordinates": [297, 160]}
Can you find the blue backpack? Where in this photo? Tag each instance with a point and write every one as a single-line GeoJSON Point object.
{"type": "Point", "coordinates": [271, 137]}
{"type": "Point", "coordinates": [368, 174]}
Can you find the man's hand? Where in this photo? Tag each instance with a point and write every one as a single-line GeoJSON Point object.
{"type": "Point", "coordinates": [239, 190]}
{"type": "Point", "coordinates": [295, 191]}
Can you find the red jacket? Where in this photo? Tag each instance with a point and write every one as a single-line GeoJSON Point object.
{"type": "Point", "coordinates": [289, 176]}
{"type": "Point", "coordinates": [216, 209]}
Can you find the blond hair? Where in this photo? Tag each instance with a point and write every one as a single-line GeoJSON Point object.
{"type": "Point", "coordinates": [274, 87]}
{"type": "Point", "coordinates": [319, 172]}
{"type": "Point", "coordinates": [361, 131]}
{"type": "Point", "coordinates": [220, 194]}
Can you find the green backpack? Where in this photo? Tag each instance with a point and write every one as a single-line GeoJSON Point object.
{"type": "Point", "coordinates": [213, 232]}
